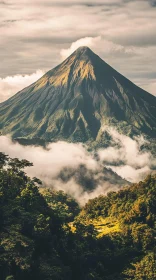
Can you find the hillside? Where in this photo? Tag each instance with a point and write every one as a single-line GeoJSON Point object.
{"type": "Point", "coordinates": [45, 235]}
{"type": "Point", "coordinates": [75, 100]}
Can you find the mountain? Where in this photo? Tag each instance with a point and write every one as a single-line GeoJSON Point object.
{"type": "Point", "coordinates": [75, 100]}
{"type": "Point", "coordinates": [90, 180]}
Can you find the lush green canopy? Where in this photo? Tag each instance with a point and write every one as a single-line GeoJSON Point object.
{"type": "Point", "coordinates": [45, 236]}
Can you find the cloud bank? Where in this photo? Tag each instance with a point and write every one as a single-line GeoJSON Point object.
{"type": "Point", "coordinates": [84, 175]}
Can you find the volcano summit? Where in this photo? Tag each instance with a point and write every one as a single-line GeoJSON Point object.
{"type": "Point", "coordinates": [75, 100]}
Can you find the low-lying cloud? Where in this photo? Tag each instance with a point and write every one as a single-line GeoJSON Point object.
{"type": "Point", "coordinates": [127, 151]}
{"type": "Point", "coordinates": [83, 174]}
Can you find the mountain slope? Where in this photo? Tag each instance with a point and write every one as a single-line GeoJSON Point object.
{"type": "Point", "coordinates": [75, 100]}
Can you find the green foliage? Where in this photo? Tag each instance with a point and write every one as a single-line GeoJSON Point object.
{"type": "Point", "coordinates": [10, 278]}
{"type": "Point", "coordinates": [26, 222]}
{"type": "Point", "coordinates": [62, 204]}
{"type": "Point", "coordinates": [127, 218]}
{"type": "Point", "coordinates": [144, 269]}
{"type": "Point", "coordinates": [113, 236]}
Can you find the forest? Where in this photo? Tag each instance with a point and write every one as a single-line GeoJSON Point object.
{"type": "Point", "coordinates": [46, 235]}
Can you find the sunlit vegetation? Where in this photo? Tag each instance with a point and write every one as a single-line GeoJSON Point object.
{"type": "Point", "coordinates": [44, 234]}
{"type": "Point", "coordinates": [106, 226]}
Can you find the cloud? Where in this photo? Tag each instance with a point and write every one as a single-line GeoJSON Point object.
{"type": "Point", "coordinates": [130, 172]}
{"type": "Point", "coordinates": [12, 84]}
{"type": "Point", "coordinates": [88, 41]}
{"type": "Point", "coordinates": [68, 2]}
{"type": "Point", "coordinates": [49, 162]}
{"type": "Point", "coordinates": [70, 167]}
{"type": "Point", "coordinates": [125, 150]}
{"type": "Point", "coordinates": [100, 45]}
{"type": "Point", "coordinates": [126, 158]}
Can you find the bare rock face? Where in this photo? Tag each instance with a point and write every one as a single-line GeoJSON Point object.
{"type": "Point", "coordinates": [75, 100]}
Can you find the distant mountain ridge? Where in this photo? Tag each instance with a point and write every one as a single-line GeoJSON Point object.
{"type": "Point", "coordinates": [75, 100]}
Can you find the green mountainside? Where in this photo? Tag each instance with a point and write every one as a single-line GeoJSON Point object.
{"type": "Point", "coordinates": [75, 100]}
{"type": "Point", "coordinates": [44, 234]}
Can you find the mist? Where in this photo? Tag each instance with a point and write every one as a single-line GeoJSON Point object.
{"type": "Point", "coordinates": [84, 175]}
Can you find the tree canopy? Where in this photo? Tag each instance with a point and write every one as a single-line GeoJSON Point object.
{"type": "Point", "coordinates": [45, 235]}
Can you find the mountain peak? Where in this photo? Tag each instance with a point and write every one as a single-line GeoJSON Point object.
{"type": "Point", "coordinates": [84, 51]}
{"type": "Point", "coordinates": [79, 66]}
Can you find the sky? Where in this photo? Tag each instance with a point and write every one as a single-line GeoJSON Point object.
{"type": "Point", "coordinates": [38, 35]}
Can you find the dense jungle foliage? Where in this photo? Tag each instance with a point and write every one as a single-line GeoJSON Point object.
{"type": "Point", "coordinates": [44, 235]}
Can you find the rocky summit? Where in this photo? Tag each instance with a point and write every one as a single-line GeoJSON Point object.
{"type": "Point", "coordinates": [76, 100]}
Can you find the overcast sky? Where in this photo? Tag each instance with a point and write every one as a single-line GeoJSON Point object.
{"type": "Point", "coordinates": [36, 35]}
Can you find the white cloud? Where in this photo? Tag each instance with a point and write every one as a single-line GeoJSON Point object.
{"type": "Point", "coordinates": [48, 164]}
{"type": "Point", "coordinates": [88, 41]}
{"type": "Point", "coordinates": [127, 151]}
{"type": "Point", "coordinates": [12, 84]}
{"type": "Point", "coordinates": [130, 173]}
{"type": "Point", "coordinates": [49, 161]}
{"type": "Point", "coordinates": [97, 44]}
{"type": "Point", "coordinates": [125, 159]}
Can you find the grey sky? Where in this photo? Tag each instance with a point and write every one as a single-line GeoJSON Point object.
{"type": "Point", "coordinates": [38, 34]}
